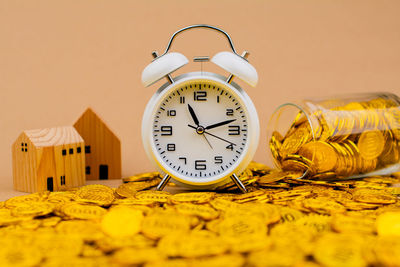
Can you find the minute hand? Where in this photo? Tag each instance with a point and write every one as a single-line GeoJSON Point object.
{"type": "Point", "coordinates": [218, 124]}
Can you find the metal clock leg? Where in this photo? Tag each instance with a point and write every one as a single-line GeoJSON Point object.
{"type": "Point", "coordinates": [163, 182]}
{"type": "Point", "coordinates": [238, 183]}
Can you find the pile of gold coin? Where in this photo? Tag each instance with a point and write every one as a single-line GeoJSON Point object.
{"type": "Point", "coordinates": [342, 141]}
{"type": "Point", "coordinates": [281, 221]}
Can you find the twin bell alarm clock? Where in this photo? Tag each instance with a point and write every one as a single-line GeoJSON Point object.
{"type": "Point", "coordinates": [200, 128]}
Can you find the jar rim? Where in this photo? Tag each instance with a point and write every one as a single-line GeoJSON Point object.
{"type": "Point", "coordinates": [301, 109]}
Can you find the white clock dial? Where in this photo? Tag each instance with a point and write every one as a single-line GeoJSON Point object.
{"type": "Point", "coordinates": [200, 129]}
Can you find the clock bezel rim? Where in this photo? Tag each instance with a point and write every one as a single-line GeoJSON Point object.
{"type": "Point", "coordinates": [252, 139]}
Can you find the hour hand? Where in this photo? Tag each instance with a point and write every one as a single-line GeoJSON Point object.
{"type": "Point", "coordinates": [218, 124]}
{"type": "Point", "coordinates": [194, 117]}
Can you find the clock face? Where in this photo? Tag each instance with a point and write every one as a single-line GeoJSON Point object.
{"type": "Point", "coordinates": [200, 129]}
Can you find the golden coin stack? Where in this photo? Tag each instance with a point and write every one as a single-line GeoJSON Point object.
{"type": "Point", "coordinates": [281, 221]}
{"type": "Point", "coordinates": [340, 142]}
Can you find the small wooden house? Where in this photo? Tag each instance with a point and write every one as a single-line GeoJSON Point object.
{"type": "Point", "coordinates": [102, 147]}
{"type": "Point", "coordinates": [48, 159]}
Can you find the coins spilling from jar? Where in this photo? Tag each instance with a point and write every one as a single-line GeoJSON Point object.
{"type": "Point", "coordinates": [281, 221]}
{"type": "Point", "coordinates": [340, 142]}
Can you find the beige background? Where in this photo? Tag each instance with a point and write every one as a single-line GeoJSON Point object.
{"type": "Point", "coordinates": [59, 57]}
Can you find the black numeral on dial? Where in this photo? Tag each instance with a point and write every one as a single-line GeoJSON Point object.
{"type": "Point", "coordinates": [229, 112]}
{"type": "Point", "coordinates": [218, 159]}
{"type": "Point", "coordinates": [171, 112]}
{"type": "Point", "coordinates": [184, 159]}
{"type": "Point", "coordinates": [200, 95]}
{"type": "Point", "coordinates": [182, 100]}
{"type": "Point", "coordinates": [234, 130]}
{"type": "Point", "coordinates": [200, 165]}
{"type": "Point", "coordinates": [166, 130]}
{"type": "Point", "coordinates": [230, 147]}
{"type": "Point", "coordinates": [170, 147]}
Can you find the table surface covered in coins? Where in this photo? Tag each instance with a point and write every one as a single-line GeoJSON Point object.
{"type": "Point", "coordinates": [281, 221]}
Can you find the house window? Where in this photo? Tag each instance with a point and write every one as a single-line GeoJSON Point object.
{"type": "Point", "coordinates": [62, 180]}
{"type": "Point", "coordinates": [64, 152]}
{"type": "Point", "coordinates": [24, 147]}
{"type": "Point", "coordinates": [71, 151]}
{"type": "Point", "coordinates": [78, 149]}
{"type": "Point", "coordinates": [87, 149]}
{"type": "Point", "coordinates": [87, 169]}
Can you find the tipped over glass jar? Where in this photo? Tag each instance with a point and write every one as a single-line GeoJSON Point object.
{"type": "Point", "coordinates": [338, 138]}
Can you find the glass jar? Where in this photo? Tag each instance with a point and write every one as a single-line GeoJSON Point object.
{"type": "Point", "coordinates": [338, 138]}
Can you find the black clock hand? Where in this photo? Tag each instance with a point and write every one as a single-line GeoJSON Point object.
{"type": "Point", "coordinates": [194, 117]}
{"type": "Point", "coordinates": [191, 126]}
{"type": "Point", "coordinates": [218, 124]}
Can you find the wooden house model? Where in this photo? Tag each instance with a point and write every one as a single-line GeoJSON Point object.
{"type": "Point", "coordinates": [48, 159]}
{"type": "Point", "coordinates": [102, 147]}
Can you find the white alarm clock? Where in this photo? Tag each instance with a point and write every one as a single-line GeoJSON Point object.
{"type": "Point", "coordinates": [201, 129]}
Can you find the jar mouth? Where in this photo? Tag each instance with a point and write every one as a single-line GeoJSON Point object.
{"type": "Point", "coordinates": [292, 110]}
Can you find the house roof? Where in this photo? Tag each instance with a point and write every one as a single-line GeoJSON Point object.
{"type": "Point", "coordinates": [53, 136]}
{"type": "Point", "coordinates": [89, 121]}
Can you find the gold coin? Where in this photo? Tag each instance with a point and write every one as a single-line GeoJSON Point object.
{"type": "Point", "coordinates": [142, 177]}
{"type": "Point", "coordinates": [289, 215]}
{"type": "Point", "coordinates": [32, 209]}
{"type": "Point", "coordinates": [298, 163]}
{"type": "Point", "coordinates": [223, 204]}
{"type": "Point", "coordinates": [202, 211]}
{"type": "Point", "coordinates": [242, 227]}
{"type": "Point", "coordinates": [292, 143]}
{"type": "Point", "coordinates": [323, 205]}
{"type": "Point", "coordinates": [258, 167]}
{"type": "Point", "coordinates": [97, 194]}
{"type": "Point", "coordinates": [153, 196]}
{"type": "Point", "coordinates": [335, 250]}
{"type": "Point", "coordinates": [345, 223]}
{"type": "Point", "coordinates": [17, 201]}
{"type": "Point", "coordinates": [56, 245]}
{"type": "Point", "coordinates": [133, 256]}
{"type": "Point", "coordinates": [373, 196]}
{"type": "Point", "coordinates": [86, 212]}
{"type": "Point", "coordinates": [275, 176]}
{"type": "Point", "coordinates": [122, 222]}
{"type": "Point", "coordinates": [194, 244]}
{"type": "Point", "coordinates": [18, 254]}
{"type": "Point", "coordinates": [194, 197]}
{"type": "Point", "coordinates": [83, 229]}
{"type": "Point", "coordinates": [6, 218]}
{"type": "Point", "coordinates": [130, 189]}
{"type": "Point", "coordinates": [109, 244]}
{"type": "Point", "coordinates": [388, 223]}
{"type": "Point", "coordinates": [371, 144]}
{"type": "Point", "coordinates": [159, 224]}
{"type": "Point", "coordinates": [231, 260]}
{"type": "Point", "coordinates": [321, 154]}
{"type": "Point", "coordinates": [315, 223]}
